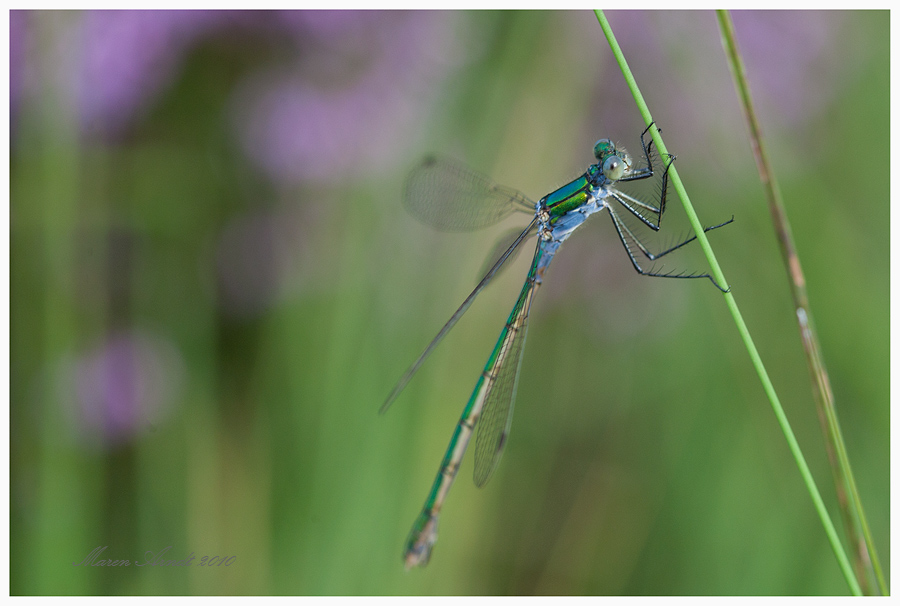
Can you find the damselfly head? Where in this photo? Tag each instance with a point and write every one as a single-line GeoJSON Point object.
{"type": "Point", "coordinates": [615, 163]}
{"type": "Point", "coordinates": [616, 166]}
{"type": "Point", "coordinates": [603, 148]}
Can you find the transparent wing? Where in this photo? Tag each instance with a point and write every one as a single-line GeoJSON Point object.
{"type": "Point", "coordinates": [500, 247]}
{"type": "Point", "coordinates": [456, 316]}
{"type": "Point", "coordinates": [447, 195]}
{"type": "Point", "coordinates": [503, 372]}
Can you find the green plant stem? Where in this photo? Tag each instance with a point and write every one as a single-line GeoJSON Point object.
{"type": "Point", "coordinates": [866, 557]}
{"type": "Point", "coordinates": [794, 447]}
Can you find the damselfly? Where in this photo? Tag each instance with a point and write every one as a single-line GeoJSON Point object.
{"type": "Point", "coordinates": [448, 196]}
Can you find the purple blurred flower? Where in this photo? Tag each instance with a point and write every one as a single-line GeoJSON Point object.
{"type": "Point", "coordinates": [339, 111]}
{"type": "Point", "coordinates": [18, 50]}
{"type": "Point", "coordinates": [124, 386]}
{"type": "Point", "coordinates": [354, 88]}
{"type": "Point", "coordinates": [129, 57]}
{"type": "Point", "coordinates": [113, 64]}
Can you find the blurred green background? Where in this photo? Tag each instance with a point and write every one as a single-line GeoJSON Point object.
{"type": "Point", "coordinates": [214, 286]}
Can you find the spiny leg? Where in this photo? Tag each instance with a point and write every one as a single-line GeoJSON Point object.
{"type": "Point", "coordinates": [646, 172]}
{"type": "Point", "coordinates": [654, 256]}
{"type": "Point", "coordinates": [632, 204]}
{"type": "Point", "coordinates": [626, 236]}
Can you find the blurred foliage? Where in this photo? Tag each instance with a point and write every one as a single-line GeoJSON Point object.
{"type": "Point", "coordinates": [198, 350]}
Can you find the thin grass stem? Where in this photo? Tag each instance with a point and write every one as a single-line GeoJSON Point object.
{"type": "Point", "coordinates": [865, 556]}
{"type": "Point", "coordinates": [730, 301]}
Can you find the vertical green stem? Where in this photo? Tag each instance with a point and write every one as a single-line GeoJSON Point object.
{"type": "Point", "coordinates": [794, 447]}
{"type": "Point", "coordinates": [865, 555]}
{"type": "Point", "coordinates": [62, 520]}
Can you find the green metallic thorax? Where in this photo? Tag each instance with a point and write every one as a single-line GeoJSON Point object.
{"type": "Point", "coordinates": [570, 196]}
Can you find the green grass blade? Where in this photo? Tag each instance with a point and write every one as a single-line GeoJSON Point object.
{"type": "Point", "coordinates": [794, 447]}
{"type": "Point", "coordinates": [865, 555]}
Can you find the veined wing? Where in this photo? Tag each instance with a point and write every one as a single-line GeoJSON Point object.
{"type": "Point", "coordinates": [502, 375]}
{"type": "Point", "coordinates": [455, 317]}
{"type": "Point", "coordinates": [449, 196]}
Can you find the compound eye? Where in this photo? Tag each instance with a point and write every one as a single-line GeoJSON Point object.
{"type": "Point", "coordinates": [603, 148]}
{"type": "Point", "coordinates": [614, 168]}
